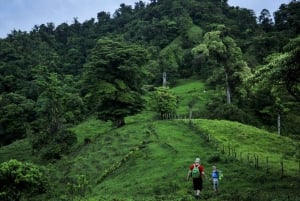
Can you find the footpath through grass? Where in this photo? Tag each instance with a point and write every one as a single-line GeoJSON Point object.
{"type": "Point", "coordinates": [149, 161]}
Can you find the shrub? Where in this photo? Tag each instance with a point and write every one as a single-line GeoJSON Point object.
{"type": "Point", "coordinates": [54, 146]}
{"type": "Point", "coordinates": [214, 158]}
{"type": "Point", "coordinates": [20, 180]}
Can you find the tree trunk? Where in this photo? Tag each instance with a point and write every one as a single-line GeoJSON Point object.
{"type": "Point", "coordinates": [164, 79]}
{"type": "Point", "coordinates": [227, 89]}
{"type": "Point", "coordinates": [190, 112]}
{"type": "Point", "coordinates": [279, 124]}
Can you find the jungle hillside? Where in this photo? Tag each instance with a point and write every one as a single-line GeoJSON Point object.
{"type": "Point", "coordinates": [117, 108]}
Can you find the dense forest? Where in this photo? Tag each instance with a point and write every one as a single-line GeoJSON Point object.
{"type": "Point", "coordinates": [54, 77]}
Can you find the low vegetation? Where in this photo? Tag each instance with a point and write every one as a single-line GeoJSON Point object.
{"type": "Point", "coordinates": [117, 108]}
{"type": "Point", "coordinates": [148, 159]}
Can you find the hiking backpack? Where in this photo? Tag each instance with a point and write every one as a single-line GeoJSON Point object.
{"type": "Point", "coordinates": [195, 171]}
{"type": "Point", "coordinates": [215, 174]}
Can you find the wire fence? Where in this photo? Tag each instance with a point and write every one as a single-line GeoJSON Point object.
{"type": "Point", "coordinates": [267, 163]}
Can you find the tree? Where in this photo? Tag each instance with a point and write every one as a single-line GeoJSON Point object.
{"type": "Point", "coordinates": [165, 102]}
{"type": "Point", "coordinates": [280, 78]}
{"type": "Point", "coordinates": [15, 116]}
{"type": "Point", "coordinates": [283, 69]}
{"type": "Point", "coordinates": [20, 180]}
{"type": "Point", "coordinates": [49, 105]}
{"type": "Point", "coordinates": [49, 130]}
{"type": "Point", "coordinates": [113, 79]}
{"type": "Point", "coordinates": [287, 18]}
{"type": "Point", "coordinates": [265, 20]}
{"type": "Point", "coordinates": [191, 104]}
{"type": "Point", "coordinates": [222, 48]}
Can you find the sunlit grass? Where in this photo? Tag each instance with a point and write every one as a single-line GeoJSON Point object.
{"type": "Point", "coordinates": [191, 89]}
{"type": "Point", "coordinates": [249, 140]}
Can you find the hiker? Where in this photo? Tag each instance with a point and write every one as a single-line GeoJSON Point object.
{"type": "Point", "coordinates": [215, 178]}
{"type": "Point", "coordinates": [196, 171]}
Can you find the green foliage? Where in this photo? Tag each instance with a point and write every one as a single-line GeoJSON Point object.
{"type": "Point", "coordinates": [170, 59]}
{"type": "Point", "coordinates": [53, 147]}
{"type": "Point", "coordinates": [50, 106]}
{"type": "Point", "coordinates": [41, 73]}
{"type": "Point", "coordinates": [20, 180]}
{"type": "Point", "coordinates": [214, 158]}
{"type": "Point", "coordinates": [15, 111]}
{"type": "Point", "coordinates": [279, 78]}
{"type": "Point", "coordinates": [78, 187]}
{"type": "Point", "coordinates": [164, 102]}
{"type": "Point", "coordinates": [195, 34]}
{"type": "Point", "coordinates": [218, 46]}
{"type": "Point", "coordinates": [226, 111]}
{"type": "Point", "coordinates": [113, 78]}
{"type": "Point", "coordinates": [113, 153]}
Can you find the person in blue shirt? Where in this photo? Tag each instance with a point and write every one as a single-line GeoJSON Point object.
{"type": "Point", "coordinates": [215, 178]}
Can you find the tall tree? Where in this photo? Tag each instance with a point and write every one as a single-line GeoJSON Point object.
{"type": "Point", "coordinates": [283, 69]}
{"type": "Point", "coordinates": [113, 77]}
{"type": "Point", "coordinates": [265, 20]}
{"type": "Point", "coordinates": [280, 78]}
{"type": "Point", "coordinates": [218, 46]}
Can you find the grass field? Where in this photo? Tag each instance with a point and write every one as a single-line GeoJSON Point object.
{"type": "Point", "coordinates": [148, 159]}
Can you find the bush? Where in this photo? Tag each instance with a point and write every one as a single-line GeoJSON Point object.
{"type": "Point", "coordinates": [54, 146]}
{"type": "Point", "coordinates": [214, 158]}
{"type": "Point", "coordinates": [227, 111]}
{"type": "Point", "coordinates": [20, 180]}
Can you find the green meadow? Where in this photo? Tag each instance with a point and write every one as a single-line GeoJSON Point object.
{"type": "Point", "coordinates": [148, 158]}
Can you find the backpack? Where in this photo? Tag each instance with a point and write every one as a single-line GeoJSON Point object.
{"type": "Point", "coordinates": [215, 174]}
{"type": "Point", "coordinates": [195, 172]}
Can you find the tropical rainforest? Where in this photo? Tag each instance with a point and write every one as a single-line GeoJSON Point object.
{"type": "Point", "coordinates": [102, 110]}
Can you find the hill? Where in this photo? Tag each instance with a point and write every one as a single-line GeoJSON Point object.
{"type": "Point", "coordinates": [148, 159]}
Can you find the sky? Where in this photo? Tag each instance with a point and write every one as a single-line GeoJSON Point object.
{"type": "Point", "coordinates": [25, 14]}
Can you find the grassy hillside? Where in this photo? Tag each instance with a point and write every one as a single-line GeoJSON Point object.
{"type": "Point", "coordinates": [148, 159]}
